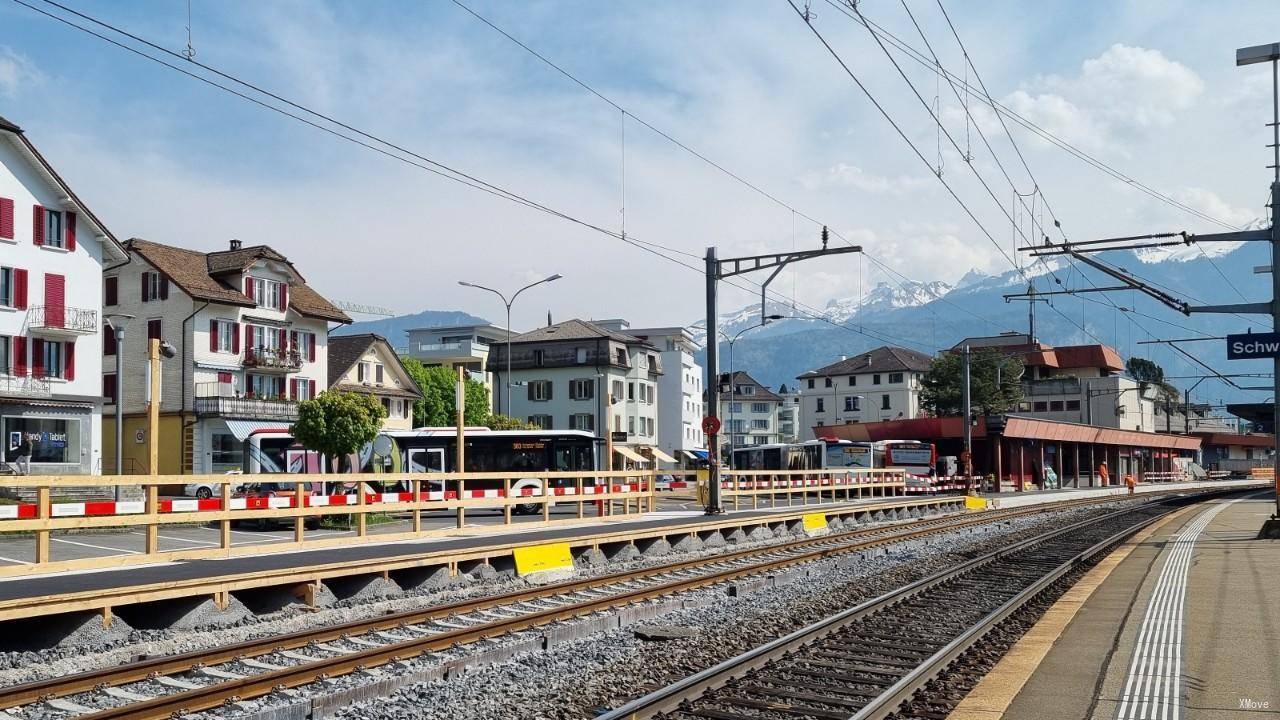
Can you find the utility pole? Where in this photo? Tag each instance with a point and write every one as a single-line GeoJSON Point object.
{"type": "Point", "coordinates": [1032, 297]}
{"type": "Point", "coordinates": [720, 269]}
{"type": "Point", "coordinates": [967, 411]}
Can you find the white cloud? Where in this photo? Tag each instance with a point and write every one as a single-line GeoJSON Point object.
{"type": "Point", "coordinates": [1117, 95]}
{"type": "Point", "coordinates": [16, 72]}
{"type": "Point", "coordinates": [842, 175]}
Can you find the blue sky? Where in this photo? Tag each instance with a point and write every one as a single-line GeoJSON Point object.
{"type": "Point", "coordinates": [1147, 86]}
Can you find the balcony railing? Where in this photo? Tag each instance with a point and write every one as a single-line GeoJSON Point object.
{"type": "Point", "coordinates": [62, 319]}
{"type": "Point", "coordinates": [266, 358]}
{"type": "Point", "coordinates": [24, 386]}
{"type": "Point", "coordinates": [458, 349]}
{"type": "Point", "coordinates": [219, 399]}
{"type": "Point", "coordinates": [1059, 386]}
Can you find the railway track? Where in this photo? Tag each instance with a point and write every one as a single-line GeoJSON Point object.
{"type": "Point", "coordinates": [176, 685]}
{"type": "Point", "coordinates": [864, 662]}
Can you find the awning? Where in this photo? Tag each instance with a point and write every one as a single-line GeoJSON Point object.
{"type": "Point", "coordinates": [244, 428]}
{"type": "Point", "coordinates": [699, 454]}
{"type": "Point", "coordinates": [658, 454]}
{"type": "Point", "coordinates": [628, 453]}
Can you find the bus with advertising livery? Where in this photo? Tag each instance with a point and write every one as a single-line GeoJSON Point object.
{"type": "Point", "coordinates": [826, 454]}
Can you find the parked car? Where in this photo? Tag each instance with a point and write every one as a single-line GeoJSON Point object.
{"type": "Point", "coordinates": [205, 490]}
{"type": "Point", "coordinates": [274, 489]}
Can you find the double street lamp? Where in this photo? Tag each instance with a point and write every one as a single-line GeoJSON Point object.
{"type": "Point", "coordinates": [508, 304]}
{"type": "Point", "coordinates": [733, 441]}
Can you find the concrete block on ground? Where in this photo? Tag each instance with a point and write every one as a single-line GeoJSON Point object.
{"type": "Point", "coordinates": [653, 547]}
{"type": "Point", "coordinates": [688, 543]}
{"type": "Point", "coordinates": [191, 613]}
{"type": "Point", "coordinates": [736, 536]}
{"type": "Point", "coordinates": [363, 588]}
{"type": "Point", "coordinates": [590, 557]}
{"type": "Point", "coordinates": [713, 539]}
{"type": "Point", "coordinates": [478, 570]}
{"type": "Point", "coordinates": [65, 630]}
{"type": "Point", "coordinates": [620, 552]}
{"type": "Point", "coordinates": [285, 597]}
{"type": "Point", "coordinates": [746, 586]}
{"type": "Point", "coordinates": [760, 533]}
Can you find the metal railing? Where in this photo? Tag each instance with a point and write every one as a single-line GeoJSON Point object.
{"type": "Point", "coordinates": [61, 317]}
{"type": "Point", "coordinates": [24, 386]}
{"type": "Point", "coordinates": [272, 358]}
{"type": "Point", "coordinates": [220, 399]}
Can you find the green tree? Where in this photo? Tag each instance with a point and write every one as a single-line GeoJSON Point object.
{"type": "Point", "coordinates": [1149, 372]}
{"type": "Point", "coordinates": [437, 407]}
{"type": "Point", "coordinates": [337, 423]}
{"type": "Point", "coordinates": [995, 383]}
{"type": "Point", "coordinates": [506, 422]}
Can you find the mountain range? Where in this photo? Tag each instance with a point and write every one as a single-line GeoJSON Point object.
{"type": "Point", "coordinates": [933, 315]}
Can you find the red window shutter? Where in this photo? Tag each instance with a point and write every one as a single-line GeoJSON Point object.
{"type": "Point", "coordinates": [213, 336]}
{"type": "Point", "coordinates": [311, 346]}
{"type": "Point", "coordinates": [6, 218]}
{"type": "Point", "coordinates": [164, 288]}
{"type": "Point", "coordinates": [235, 338]}
{"type": "Point", "coordinates": [248, 337]}
{"type": "Point", "coordinates": [284, 340]}
{"type": "Point", "coordinates": [284, 297]}
{"type": "Point", "coordinates": [108, 340]}
{"type": "Point", "coordinates": [311, 388]}
{"type": "Point", "coordinates": [69, 353]}
{"type": "Point", "coordinates": [20, 356]}
{"type": "Point", "coordinates": [20, 289]}
{"type": "Point", "coordinates": [111, 291]}
{"type": "Point", "coordinates": [146, 285]}
{"type": "Point", "coordinates": [293, 341]}
{"type": "Point", "coordinates": [248, 286]}
{"type": "Point", "coordinates": [37, 225]}
{"type": "Point", "coordinates": [224, 378]}
{"type": "Point", "coordinates": [293, 389]}
{"type": "Point", "coordinates": [70, 231]}
{"type": "Point", "coordinates": [37, 358]}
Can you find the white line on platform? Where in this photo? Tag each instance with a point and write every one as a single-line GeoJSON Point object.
{"type": "Point", "coordinates": [1153, 688]}
{"type": "Point", "coordinates": [15, 560]}
{"type": "Point", "coordinates": [98, 547]}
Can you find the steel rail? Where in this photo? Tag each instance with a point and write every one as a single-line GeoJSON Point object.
{"type": "Point", "coordinates": [215, 694]}
{"type": "Point", "coordinates": [669, 698]}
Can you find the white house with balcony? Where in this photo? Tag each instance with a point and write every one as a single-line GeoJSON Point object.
{"type": "Point", "coordinates": [466, 346]}
{"type": "Point", "coordinates": [53, 250]}
{"type": "Point", "coordinates": [749, 413]}
{"type": "Point", "coordinates": [251, 339]}
{"type": "Point", "coordinates": [880, 384]}
{"type": "Point", "coordinates": [679, 389]}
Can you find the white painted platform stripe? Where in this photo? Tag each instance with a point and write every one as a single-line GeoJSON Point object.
{"type": "Point", "coordinates": [1153, 687]}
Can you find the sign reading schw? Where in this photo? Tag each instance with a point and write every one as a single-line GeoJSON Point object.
{"type": "Point", "coordinates": [1252, 346]}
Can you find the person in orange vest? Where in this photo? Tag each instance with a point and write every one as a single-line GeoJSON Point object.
{"type": "Point", "coordinates": [1102, 473]}
{"type": "Point", "coordinates": [1131, 481]}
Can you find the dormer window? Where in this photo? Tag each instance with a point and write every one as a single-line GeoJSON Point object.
{"type": "Point", "coordinates": [268, 294]}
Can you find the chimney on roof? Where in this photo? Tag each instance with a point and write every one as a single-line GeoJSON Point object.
{"type": "Point", "coordinates": [235, 244]}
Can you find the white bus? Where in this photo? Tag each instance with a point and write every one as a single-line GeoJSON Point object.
{"type": "Point", "coordinates": [808, 455]}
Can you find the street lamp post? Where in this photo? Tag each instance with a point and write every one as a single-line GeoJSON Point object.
{"type": "Point", "coordinates": [733, 443]}
{"type": "Point", "coordinates": [508, 304]}
{"type": "Point", "coordinates": [117, 324]}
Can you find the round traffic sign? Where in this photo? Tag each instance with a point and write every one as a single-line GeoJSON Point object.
{"type": "Point", "coordinates": [711, 425]}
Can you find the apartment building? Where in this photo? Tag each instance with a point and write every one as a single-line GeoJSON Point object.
{"type": "Point", "coordinates": [458, 345]}
{"type": "Point", "coordinates": [367, 364]}
{"type": "Point", "coordinates": [251, 339]}
{"type": "Point", "coordinates": [880, 384]}
{"type": "Point", "coordinates": [749, 413]}
{"type": "Point", "coordinates": [577, 375]}
{"type": "Point", "coordinates": [53, 250]}
{"type": "Point", "coordinates": [679, 393]}
{"type": "Point", "coordinates": [789, 429]}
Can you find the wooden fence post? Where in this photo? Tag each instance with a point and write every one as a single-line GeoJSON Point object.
{"type": "Point", "coordinates": [43, 510]}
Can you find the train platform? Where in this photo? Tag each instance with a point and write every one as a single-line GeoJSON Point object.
{"type": "Point", "coordinates": [285, 564]}
{"type": "Point", "coordinates": [1181, 621]}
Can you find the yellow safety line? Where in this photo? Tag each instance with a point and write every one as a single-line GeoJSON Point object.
{"type": "Point", "coordinates": [991, 697]}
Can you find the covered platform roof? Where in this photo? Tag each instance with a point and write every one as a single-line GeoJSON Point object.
{"type": "Point", "coordinates": [1007, 426]}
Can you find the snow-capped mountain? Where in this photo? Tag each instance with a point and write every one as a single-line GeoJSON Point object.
{"type": "Point", "coordinates": [886, 297]}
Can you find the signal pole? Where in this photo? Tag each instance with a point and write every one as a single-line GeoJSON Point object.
{"type": "Point", "coordinates": [721, 269]}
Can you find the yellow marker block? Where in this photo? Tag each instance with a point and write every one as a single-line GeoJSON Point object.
{"type": "Point", "coordinates": [543, 558]}
{"type": "Point", "coordinates": [974, 503]}
{"type": "Point", "coordinates": [815, 521]}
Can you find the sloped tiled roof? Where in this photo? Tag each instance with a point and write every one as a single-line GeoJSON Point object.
{"type": "Point", "coordinates": [761, 393]}
{"type": "Point", "coordinates": [346, 350]}
{"type": "Point", "coordinates": [193, 272]}
{"type": "Point", "coordinates": [574, 330]}
{"type": "Point", "coordinates": [882, 359]}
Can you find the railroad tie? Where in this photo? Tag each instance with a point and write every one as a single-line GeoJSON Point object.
{"type": "Point", "coordinates": [365, 643]}
{"type": "Point", "coordinates": [176, 683]}
{"type": "Point", "coordinates": [259, 665]}
{"type": "Point", "coordinates": [295, 655]}
{"type": "Point", "coordinates": [64, 705]}
{"type": "Point", "coordinates": [122, 694]}
{"type": "Point", "coordinates": [220, 674]}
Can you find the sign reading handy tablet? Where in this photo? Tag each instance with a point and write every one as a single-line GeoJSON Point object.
{"type": "Point", "coordinates": [1252, 346]}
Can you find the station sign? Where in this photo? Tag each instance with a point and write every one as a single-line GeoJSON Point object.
{"type": "Point", "coordinates": [1253, 346]}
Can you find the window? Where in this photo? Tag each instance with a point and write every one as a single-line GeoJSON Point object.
{"type": "Point", "coordinates": [616, 395]}
{"type": "Point", "coordinates": [6, 355]}
{"type": "Point", "coordinates": [826, 382]}
{"type": "Point", "coordinates": [631, 425]}
{"type": "Point", "coordinates": [895, 378]}
{"type": "Point", "coordinates": [1024, 407]}
{"type": "Point", "coordinates": [582, 389]}
{"type": "Point", "coordinates": [884, 402]}
{"type": "Point", "coordinates": [1073, 405]}
{"type": "Point", "coordinates": [821, 407]}
{"type": "Point", "coordinates": [264, 386]}
{"type": "Point", "coordinates": [305, 345]}
{"type": "Point", "coordinates": [582, 421]}
{"type": "Point", "coordinates": [759, 407]}
{"type": "Point", "coordinates": [631, 391]}
{"type": "Point", "coordinates": [269, 294]}
{"type": "Point", "coordinates": [109, 388]}
{"type": "Point", "coordinates": [386, 405]}
{"type": "Point", "coordinates": [50, 357]}
{"type": "Point", "coordinates": [110, 291]}
{"type": "Point", "coordinates": [539, 358]}
{"type": "Point", "coordinates": [875, 379]}
{"type": "Point", "coordinates": [53, 229]}
{"type": "Point", "coordinates": [580, 356]}
{"type": "Point", "coordinates": [810, 383]}
{"type": "Point", "coordinates": [648, 423]}
{"type": "Point", "coordinates": [760, 424]}
{"type": "Point", "coordinates": [377, 373]}
{"type": "Point", "coordinates": [53, 441]}
{"type": "Point", "coordinates": [851, 404]}
{"type": "Point", "coordinates": [620, 356]}
{"type": "Point", "coordinates": [226, 336]}
{"type": "Point", "coordinates": [746, 389]}
{"type": "Point", "coordinates": [225, 451]}
{"type": "Point", "coordinates": [735, 407]}
{"type": "Point", "coordinates": [1055, 406]}
{"type": "Point", "coordinates": [153, 329]}
{"type": "Point", "coordinates": [363, 371]}
{"type": "Point", "coordinates": [853, 381]}
{"type": "Point", "coordinates": [1041, 406]}
{"type": "Point", "coordinates": [540, 391]}
{"type": "Point", "coordinates": [8, 294]}
{"type": "Point", "coordinates": [109, 342]}
{"type": "Point", "coordinates": [154, 287]}
{"type": "Point", "coordinates": [304, 389]}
